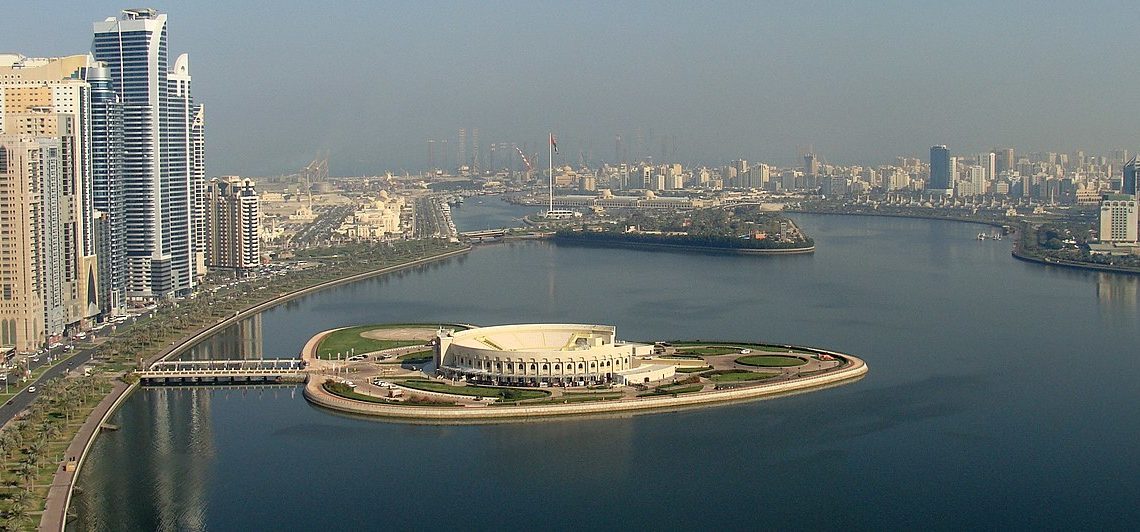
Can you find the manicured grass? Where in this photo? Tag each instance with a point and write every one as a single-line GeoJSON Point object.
{"type": "Point", "coordinates": [349, 340]}
{"type": "Point", "coordinates": [771, 361]}
{"type": "Point", "coordinates": [571, 398]}
{"type": "Point", "coordinates": [693, 370]}
{"type": "Point", "coordinates": [507, 394]}
{"type": "Point", "coordinates": [711, 351]}
{"type": "Point", "coordinates": [417, 357]}
{"type": "Point", "coordinates": [341, 389]}
{"type": "Point", "coordinates": [739, 376]}
{"type": "Point", "coordinates": [671, 390]}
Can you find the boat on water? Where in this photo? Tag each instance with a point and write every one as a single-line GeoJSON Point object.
{"type": "Point", "coordinates": [982, 236]}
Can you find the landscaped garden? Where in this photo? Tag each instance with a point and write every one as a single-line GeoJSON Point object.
{"type": "Point", "coordinates": [771, 361]}
{"type": "Point", "coordinates": [350, 341]}
{"type": "Point", "coordinates": [504, 394]}
{"type": "Point", "coordinates": [738, 375]}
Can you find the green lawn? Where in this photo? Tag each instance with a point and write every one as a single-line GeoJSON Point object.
{"type": "Point", "coordinates": [349, 340]}
{"type": "Point", "coordinates": [710, 351]}
{"type": "Point", "coordinates": [671, 390]}
{"type": "Point", "coordinates": [693, 370]}
{"type": "Point", "coordinates": [771, 361]}
{"type": "Point", "coordinates": [579, 398]}
{"type": "Point", "coordinates": [739, 376]}
{"type": "Point", "coordinates": [417, 357]}
{"type": "Point", "coordinates": [342, 390]}
{"type": "Point", "coordinates": [508, 394]}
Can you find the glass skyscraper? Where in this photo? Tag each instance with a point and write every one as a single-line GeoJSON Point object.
{"type": "Point", "coordinates": [1129, 184]}
{"type": "Point", "coordinates": [940, 169]}
{"type": "Point", "coordinates": [155, 167]}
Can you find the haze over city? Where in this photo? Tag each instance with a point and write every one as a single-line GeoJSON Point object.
{"type": "Point", "coordinates": [861, 83]}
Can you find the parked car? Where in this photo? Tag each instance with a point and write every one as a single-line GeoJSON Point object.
{"type": "Point", "coordinates": [31, 389]}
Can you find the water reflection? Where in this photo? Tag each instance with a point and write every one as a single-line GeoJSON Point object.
{"type": "Point", "coordinates": [1117, 293]}
{"type": "Point", "coordinates": [243, 340]}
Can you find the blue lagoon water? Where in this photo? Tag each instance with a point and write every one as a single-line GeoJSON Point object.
{"type": "Point", "coordinates": [1001, 395]}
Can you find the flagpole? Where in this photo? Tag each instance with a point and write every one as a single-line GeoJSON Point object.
{"type": "Point", "coordinates": [550, 161]}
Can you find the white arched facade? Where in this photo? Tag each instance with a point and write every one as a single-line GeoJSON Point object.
{"type": "Point", "coordinates": [536, 354]}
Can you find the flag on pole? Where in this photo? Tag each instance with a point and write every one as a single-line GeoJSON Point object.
{"type": "Point", "coordinates": [554, 142]}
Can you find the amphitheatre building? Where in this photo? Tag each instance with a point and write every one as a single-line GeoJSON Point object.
{"type": "Point", "coordinates": [545, 355]}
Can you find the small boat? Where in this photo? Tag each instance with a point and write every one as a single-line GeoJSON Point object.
{"type": "Point", "coordinates": [981, 236]}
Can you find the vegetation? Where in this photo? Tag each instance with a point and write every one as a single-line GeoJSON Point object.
{"type": "Point", "coordinates": [672, 390]}
{"type": "Point", "coordinates": [32, 447]}
{"type": "Point", "coordinates": [503, 394]}
{"type": "Point", "coordinates": [349, 341]}
{"type": "Point", "coordinates": [343, 390]}
{"type": "Point", "coordinates": [693, 370]}
{"type": "Point", "coordinates": [417, 357]}
{"type": "Point", "coordinates": [771, 361]}
{"type": "Point", "coordinates": [745, 227]}
{"type": "Point", "coordinates": [570, 398]}
{"type": "Point", "coordinates": [1067, 239]}
{"type": "Point", "coordinates": [738, 375]}
{"type": "Point", "coordinates": [712, 350]}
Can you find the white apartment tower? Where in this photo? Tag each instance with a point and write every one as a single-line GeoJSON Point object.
{"type": "Point", "coordinates": [1118, 218]}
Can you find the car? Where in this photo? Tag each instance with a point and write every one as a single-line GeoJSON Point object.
{"type": "Point", "coordinates": [745, 351]}
{"type": "Point", "coordinates": [31, 389]}
{"type": "Point", "coordinates": [35, 359]}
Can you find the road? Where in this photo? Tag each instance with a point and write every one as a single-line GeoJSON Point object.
{"type": "Point", "coordinates": [20, 401]}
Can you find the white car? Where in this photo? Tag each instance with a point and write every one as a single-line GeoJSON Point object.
{"type": "Point", "coordinates": [31, 389]}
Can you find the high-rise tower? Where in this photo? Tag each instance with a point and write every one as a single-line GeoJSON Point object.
{"type": "Point", "coordinates": [941, 173]}
{"type": "Point", "coordinates": [156, 163]}
{"type": "Point", "coordinates": [106, 186]}
{"type": "Point", "coordinates": [1130, 183]}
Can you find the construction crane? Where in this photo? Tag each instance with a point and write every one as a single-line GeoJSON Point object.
{"type": "Point", "coordinates": [526, 161]}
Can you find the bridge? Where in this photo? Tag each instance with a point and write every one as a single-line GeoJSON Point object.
{"type": "Point", "coordinates": [189, 372]}
{"type": "Point", "coordinates": [485, 234]}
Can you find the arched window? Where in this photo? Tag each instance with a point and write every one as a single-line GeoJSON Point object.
{"type": "Point", "coordinates": [533, 367]}
{"type": "Point", "coordinates": [520, 367]}
{"type": "Point", "coordinates": [544, 367]}
{"type": "Point", "coordinates": [557, 367]}
{"type": "Point", "coordinates": [581, 366]}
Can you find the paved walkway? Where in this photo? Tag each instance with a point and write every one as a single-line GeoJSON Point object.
{"type": "Point", "coordinates": [59, 494]}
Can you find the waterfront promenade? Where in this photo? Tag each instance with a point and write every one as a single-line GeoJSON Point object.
{"type": "Point", "coordinates": [54, 516]}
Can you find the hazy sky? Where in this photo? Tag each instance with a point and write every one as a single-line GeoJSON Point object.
{"type": "Point", "coordinates": [862, 82]}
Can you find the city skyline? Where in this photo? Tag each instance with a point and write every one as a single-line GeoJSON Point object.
{"type": "Point", "coordinates": [859, 84]}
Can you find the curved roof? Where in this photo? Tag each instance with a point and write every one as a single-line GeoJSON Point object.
{"type": "Point", "coordinates": [535, 337]}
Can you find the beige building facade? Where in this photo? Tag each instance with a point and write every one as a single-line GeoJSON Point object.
{"type": "Point", "coordinates": [47, 246]}
{"type": "Point", "coordinates": [537, 354]}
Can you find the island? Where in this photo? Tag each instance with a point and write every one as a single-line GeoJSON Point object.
{"type": "Point", "coordinates": [460, 372]}
{"type": "Point", "coordinates": [743, 229]}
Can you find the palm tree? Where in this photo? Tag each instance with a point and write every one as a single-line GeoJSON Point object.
{"type": "Point", "coordinates": [18, 518]}
{"type": "Point", "coordinates": [28, 474]}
